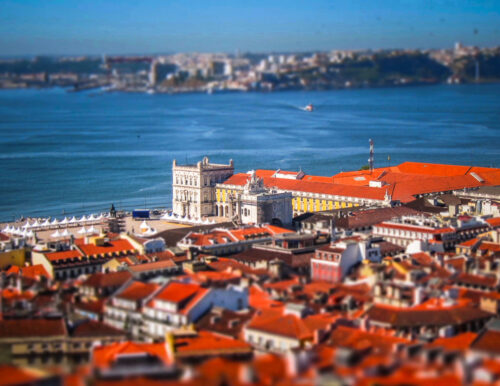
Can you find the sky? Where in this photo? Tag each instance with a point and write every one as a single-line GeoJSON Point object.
{"type": "Point", "coordinates": [69, 27]}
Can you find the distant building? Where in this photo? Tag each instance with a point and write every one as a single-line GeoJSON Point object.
{"type": "Point", "coordinates": [257, 205]}
{"type": "Point", "coordinates": [124, 309]}
{"type": "Point", "coordinates": [193, 192]}
{"type": "Point", "coordinates": [179, 304]}
{"type": "Point", "coordinates": [334, 261]}
{"type": "Point", "coordinates": [381, 187]}
{"type": "Point", "coordinates": [221, 241]}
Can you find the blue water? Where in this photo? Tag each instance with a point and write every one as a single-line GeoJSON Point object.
{"type": "Point", "coordinates": [80, 152]}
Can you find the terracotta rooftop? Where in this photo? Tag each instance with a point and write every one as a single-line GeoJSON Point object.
{"type": "Point", "coordinates": [207, 343]}
{"type": "Point", "coordinates": [354, 338]}
{"type": "Point", "coordinates": [91, 328]}
{"type": "Point", "coordinates": [488, 342]}
{"type": "Point", "coordinates": [32, 271]}
{"type": "Point", "coordinates": [402, 182]}
{"type": "Point", "coordinates": [104, 356]}
{"type": "Point", "coordinates": [31, 328]}
{"type": "Point", "coordinates": [138, 291]}
{"type": "Point", "coordinates": [13, 375]}
{"type": "Point", "coordinates": [102, 280]}
{"type": "Point", "coordinates": [477, 280]}
{"type": "Point", "coordinates": [63, 255]}
{"type": "Point", "coordinates": [402, 317]}
{"type": "Point", "coordinates": [494, 222]}
{"type": "Point", "coordinates": [460, 342]}
{"type": "Point", "coordinates": [225, 322]}
{"type": "Point", "coordinates": [224, 236]}
{"type": "Point", "coordinates": [111, 247]}
{"type": "Point", "coordinates": [290, 326]}
{"type": "Point", "coordinates": [155, 265]}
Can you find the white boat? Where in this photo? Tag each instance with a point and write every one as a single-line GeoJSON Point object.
{"type": "Point", "coordinates": [309, 107]}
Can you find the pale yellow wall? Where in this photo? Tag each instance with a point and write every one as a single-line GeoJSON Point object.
{"type": "Point", "coordinates": [39, 258]}
{"type": "Point", "coordinates": [13, 257]}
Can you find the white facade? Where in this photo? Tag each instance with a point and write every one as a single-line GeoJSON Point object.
{"type": "Point", "coordinates": [193, 187]}
{"type": "Point", "coordinates": [265, 341]}
{"type": "Point", "coordinates": [166, 316]}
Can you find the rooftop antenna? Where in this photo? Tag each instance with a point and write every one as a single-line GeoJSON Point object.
{"type": "Point", "coordinates": [370, 160]}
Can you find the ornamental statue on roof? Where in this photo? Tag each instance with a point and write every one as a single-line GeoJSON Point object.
{"type": "Point", "coordinates": [254, 184]}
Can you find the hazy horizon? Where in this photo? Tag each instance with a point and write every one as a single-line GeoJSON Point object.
{"type": "Point", "coordinates": [90, 27]}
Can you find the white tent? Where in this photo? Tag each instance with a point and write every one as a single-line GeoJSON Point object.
{"type": "Point", "coordinates": [91, 230]}
{"type": "Point", "coordinates": [64, 221]}
{"type": "Point", "coordinates": [55, 222]}
{"type": "Point", "coordinates": [150, 232]}
{"type": "Point", "coordinates": [100, 217]}
{"type": "Point", "coordinates": [55, 234]}
{"type": "Point", "coordinates": [73, 220]}
{"type": "Point", "coordinates": [65, 233]}
{"type": "Point", "coordinates": [46, 223]}
{"type": "Point", "coordinates": [35, 224]}
{"type": "Point", "coordinates": [6, 229]}
{"type": "Point", "coordinates": [83, 219]}
{"type": "Point", "coordinates": [144, 225]}
{"type": "Point", "coordinates": [30, 233]}
{"type": "Point", "coordinates": [92, 217]}
{"type": "Point", "coordinates": [27, 225]}
{"type": "Point", "coordinates": [82, 231]}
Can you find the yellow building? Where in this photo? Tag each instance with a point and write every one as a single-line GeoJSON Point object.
{"type": "Point", "coordinates": [302, 201]}
{"type": "Point", "coordinates": [13, 257]}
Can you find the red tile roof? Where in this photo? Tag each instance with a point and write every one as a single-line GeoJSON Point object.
{"type": "Point", "coordinates": [103, 280]}
{"type": "Point", "coordinates": [155, 265]}
{"type": "Point", "coordinates": [95, 307]}
{"type": "Point", "coordinates": [104, 356]}
{"type": "Point", "coordinates": [460, 342]}
{"type": "Point", "coordinates": [288, 325]}
{"type": "Point", "coordinates": [138, 291]}
{"type": "Point", "coordinates": [442, 316]}
{"type": "Point", "coordinates": [32, 271]}
{"type": "Point", "coordinates": [494, 222]}
{"type": "Point", "coordinates": [13, 375]}
{"type": "Point", "coordinates": [113, 246]}
{"type": "Point", "coordinates": [402, 182]}
{"type": "Point", "coordinates": [177, 292]}
{"type": "Point", "coordinates": [354, 338]}
{"type": "Point", "coordinates": [230, 265]}
{"type": "Point", "coordinates": [488, 341]}
{"type": "Point", "coordinates": [30, 328]}
{"type": "Point", "coordinates": [223, 236]}
{"type": "Point", "coordinates": [477, 280]}
{"type": "Point", "coordinates": [63, 255]}
{"type": "Point", "coordinates": [312, 186]}
{"type": "Point", "coordinates": [91, 328]}
{"type": "Point", "coordinates": [208, 343]}
{"type": "Point", "coordinates": [260, 300]}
